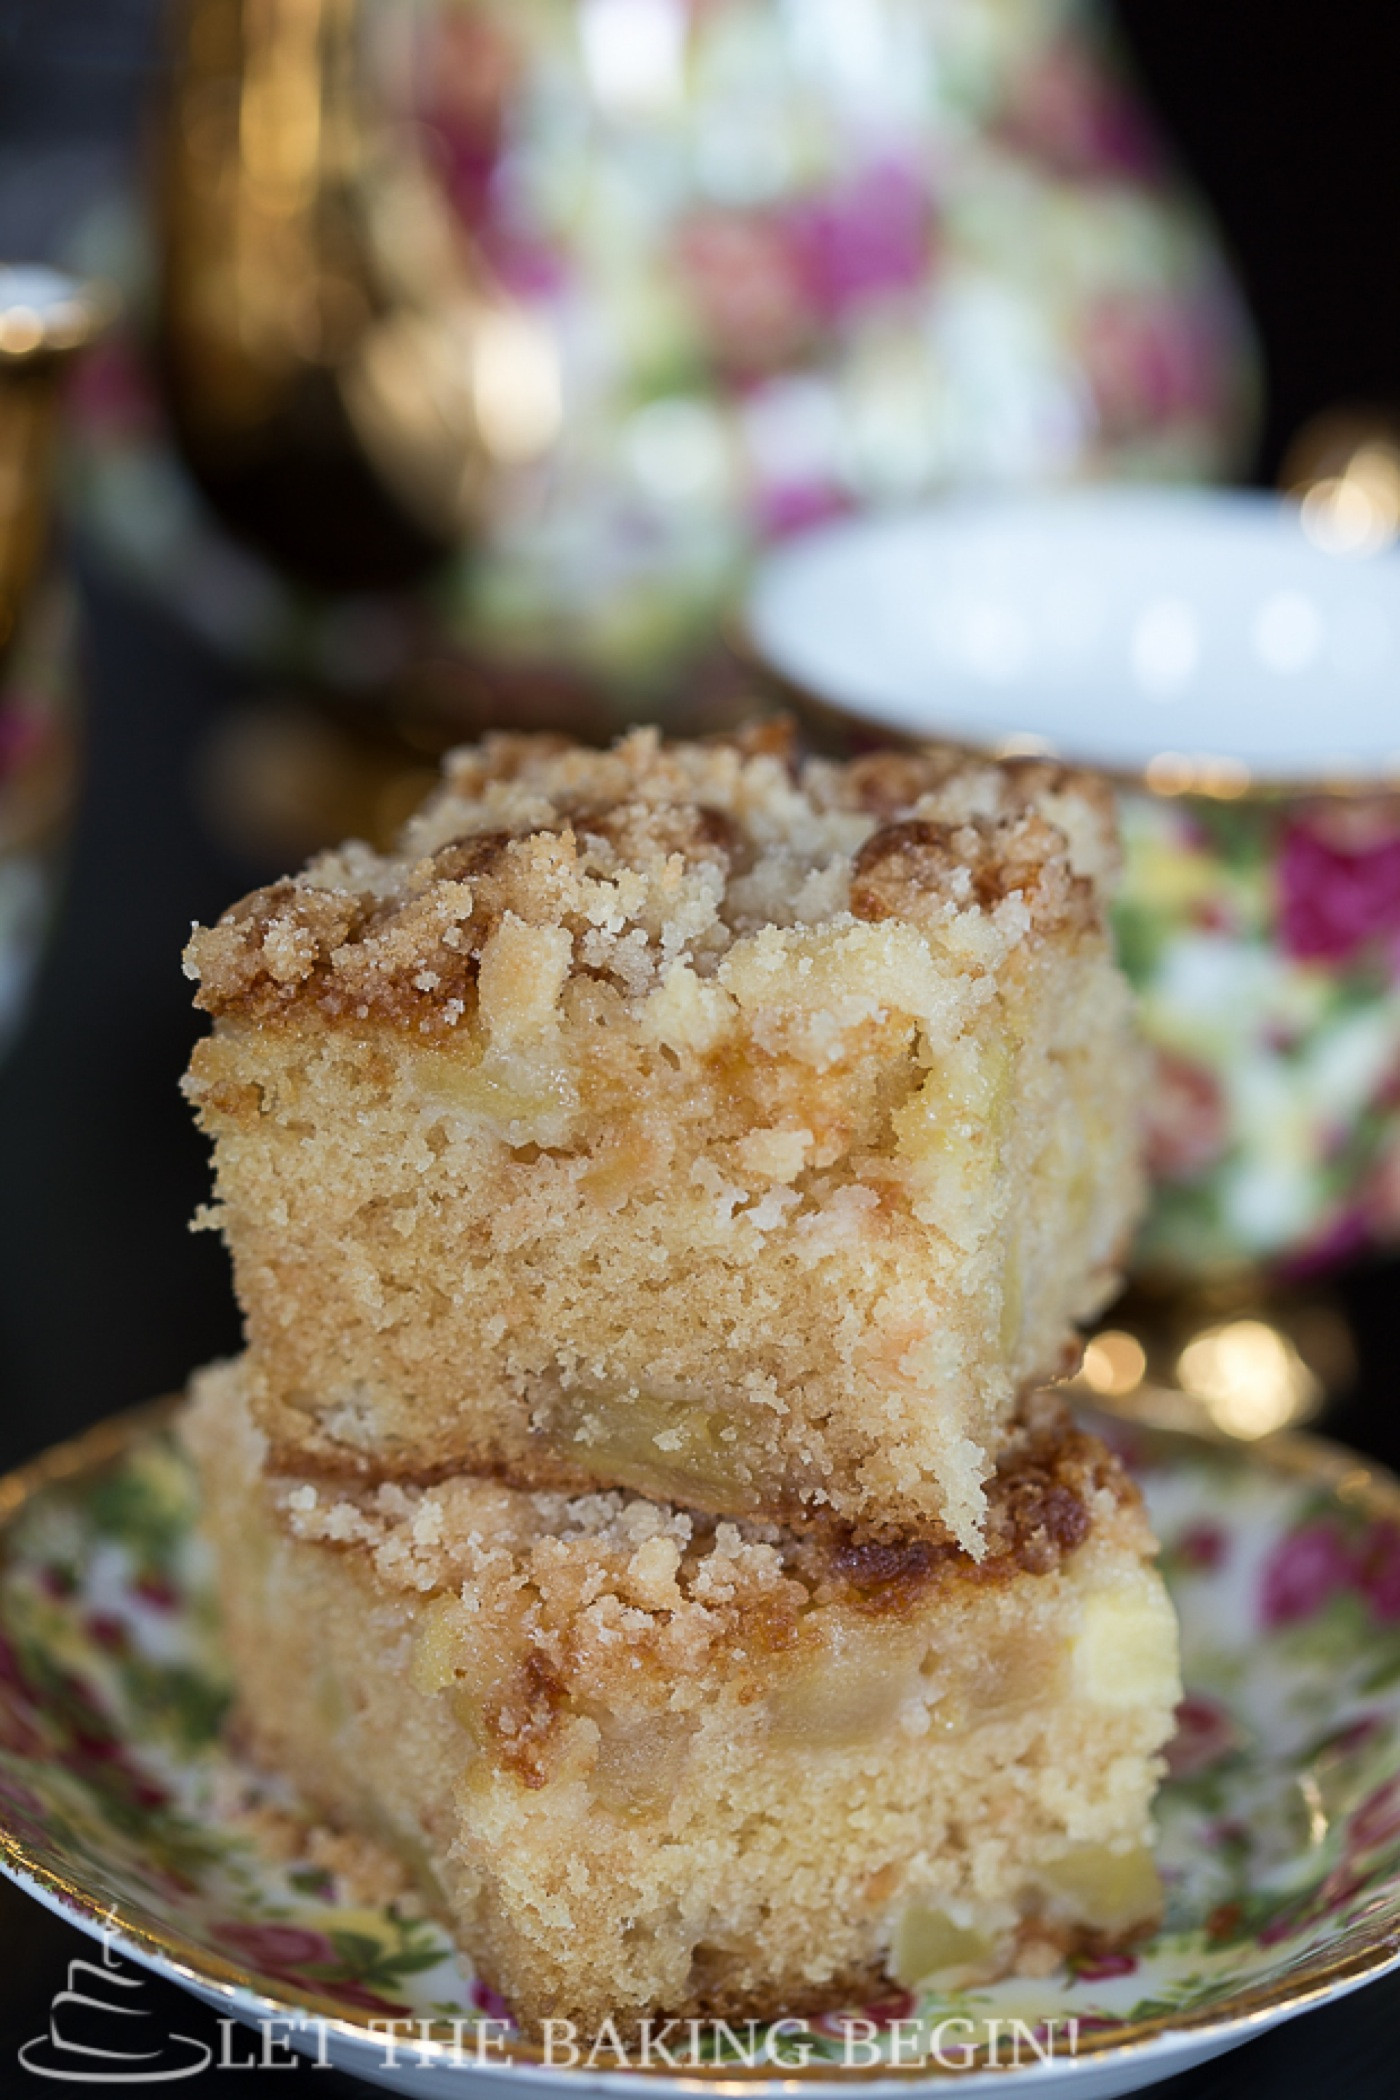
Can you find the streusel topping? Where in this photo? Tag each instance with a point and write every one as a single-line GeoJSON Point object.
{"type": "Point", "coordinates": [649, 1560]}
{"type": "Point", "coordinates": [650, 854]}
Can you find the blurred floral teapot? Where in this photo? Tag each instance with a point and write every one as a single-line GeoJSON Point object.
{"type": "Point", "coordinates": [582, 300]}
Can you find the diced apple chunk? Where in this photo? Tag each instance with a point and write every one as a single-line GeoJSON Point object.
{"type": "Point", "coordinates": [640, 1762]}
{"type": "Point", "coordinates": [437, 1646]}
{"type": "Point", "coordinates": [849, 1693]}
{"type": "Point", "coordinates": [951, 1133]}
{"type": "Point", "coordinates": [927, 1943]}
{"type": "Point", "coordinates": [1109, 1890]}
{"type": "Point", "coordinates": [1126, 1651]}
{"type": "Point", "coordinates": [521, 1096]}
{"type": "Point", "coordinates": [659, 1447]}
{"type": "Point", "coordinates": [1003, 1679]}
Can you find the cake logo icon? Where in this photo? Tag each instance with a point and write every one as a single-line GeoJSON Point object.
{"type": "Point", "coordinates": [96, 2034]}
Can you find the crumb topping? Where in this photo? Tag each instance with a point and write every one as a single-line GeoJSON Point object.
{"type": "Point", "coordinates": [641, 1561]}
{"type": "Point", "coordinates": [651, 855]}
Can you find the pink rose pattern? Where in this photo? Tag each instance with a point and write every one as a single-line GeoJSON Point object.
{"type": "Point", "coordinates": [1104, 1968]}
{"type": "Point", "coordinates": [489, 2003]}
{"type": "Point", "coordinates": [1187, 1118]}
{"type": "Point", "coordinates": [277, 1947]}
{"type": "Point", "coordinates": [1074, 117]}
{"type": "Point", "coordinates": [1203, 1547]}
{"type": "Point", "coordinates": [874, 226]}
{"type": "Point", "coordinates": [804, 267]}
{"type": "Point", "coordinates": [1339, 901]}
{"type": "Point", "coordinates": [1304, 1573]}
{"type": "Point", "coordinates": [1148, 357]}
{"type": "Point", "coordinates": [864, 241]}
{"type": "Point", "coordinates": [1206, 1733]}
{"type": "Point", "coordinates": [305, 1962]}
{"type": "Point", "coordinates": [1377, 1822]}
{"type": "Point", "coordinates": [882, 2012]}
{"type": "Point", "coordinates": [1317, 1562]}
{"type": "Point", "coordinates": [1319, 887]}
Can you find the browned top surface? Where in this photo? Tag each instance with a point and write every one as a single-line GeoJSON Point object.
{"type": "Point", "coordinates": [1040, 1509]}
{"type": "Point", "coordinates": [646, 852]}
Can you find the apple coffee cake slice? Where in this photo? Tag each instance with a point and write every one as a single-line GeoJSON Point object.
{"type": "Point", "coordinates": [647, 1763]}
{"type": "Point", "coordinates": [746, 1132]}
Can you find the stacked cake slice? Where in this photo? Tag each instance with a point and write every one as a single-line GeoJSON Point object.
{"type": "Point", "coordinates": [655, 1193]}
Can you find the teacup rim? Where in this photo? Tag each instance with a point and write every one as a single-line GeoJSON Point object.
{"type": "Point", "coordinates": [1179, 777]}
{"type": "Point", "coordinates": [1169, 775]}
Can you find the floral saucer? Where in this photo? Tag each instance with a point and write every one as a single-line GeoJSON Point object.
{"type": "Point", "coordinates": [125, 1809]}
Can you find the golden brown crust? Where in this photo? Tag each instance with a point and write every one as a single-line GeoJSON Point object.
{"type": "Point", "coordinates": [907, 869]}
{"type": "Point", "coordinates": [1049, 1476]}
{"type": "Point", "coordinates": [1052, 1484]}
{"type": "Point", "coordinates": [888, 782]}
{"type": "Point", "coordinates": [1050, 1480]}
{"type": "Point", "coordinates": [646, 843]}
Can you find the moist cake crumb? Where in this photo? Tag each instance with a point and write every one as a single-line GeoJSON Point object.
{"type": "Point", "coordinates": [747, 1130]}
{"type": "Point", "coordinates": [647, 1763]}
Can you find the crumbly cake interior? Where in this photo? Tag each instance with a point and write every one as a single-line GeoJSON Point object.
{"type": "Point", "coordinates": [648, 1763]}
{"type": "Point", "coordinates": [746, 1132]}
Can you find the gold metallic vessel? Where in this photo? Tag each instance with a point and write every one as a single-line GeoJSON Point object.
{"type": "Point", "coordinates": [44, 318]}
{"type": "Point", "coordinates": [325, 334]}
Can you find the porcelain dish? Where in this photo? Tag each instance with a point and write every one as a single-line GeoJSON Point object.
{"type": "Point", "coordinates": [1182, 637]}
{"type": "Point", "coordinates": [125, 1808]}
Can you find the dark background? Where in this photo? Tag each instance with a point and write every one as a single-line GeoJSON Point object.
{"type": "Point", "coordinates": [1286, 113]}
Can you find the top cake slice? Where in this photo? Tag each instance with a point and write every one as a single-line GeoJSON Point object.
{"type": "Point", "coordinates": [681, 1117]}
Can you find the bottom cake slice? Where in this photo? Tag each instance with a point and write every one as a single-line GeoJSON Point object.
{"type": "Point", "coordinates": [646, 1764]}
